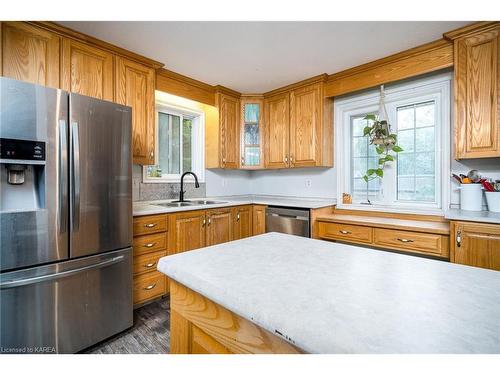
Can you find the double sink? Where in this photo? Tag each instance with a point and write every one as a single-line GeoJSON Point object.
{"type": "Point", "coordinates": [189, 203]}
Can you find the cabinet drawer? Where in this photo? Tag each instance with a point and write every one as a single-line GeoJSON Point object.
{"type": "Point", "coordinates": [147, 262]}
{"type": "Point", "coordinates": [150, 224]}
{"type": "Point", "coordinates": [426, 243]}
{"type": "Point", "coordinates": [148, 286]}
{"type": "Point", "coordinates": [346, 232]}
{"type": "Point", "coordinates": [150, 243]}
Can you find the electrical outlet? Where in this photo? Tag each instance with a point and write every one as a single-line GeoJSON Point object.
{"type": "Point", "coordinates": [308, 183]}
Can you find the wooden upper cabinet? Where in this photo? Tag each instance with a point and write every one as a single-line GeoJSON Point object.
{"type": "Point", "coordinates": [87, 70]}
{"type": "Point", "coordinates": [229, 134]}
{"type": "Point", "coordinates": [305, 126]}
{"type": "Point", "coordinates": [242, 219]}
{"type": "Point", "coordinates": [30, 54]}
{"type": "Point", "coordinates": [187, 231]}
{"type": "Point", "coordinates": [477, 91]}
{"type": "Point", "coordinates": [476, 244]}
{"type": "Point", "coordinates": [135, 87]}
{"type": "Point", "coordinates": [219, 226]}
{"type": "Point", "coordinates": [277, 130]}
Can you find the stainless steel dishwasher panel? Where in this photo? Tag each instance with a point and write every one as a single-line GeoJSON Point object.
{"type": "Point", "coordinates": [288, 220]}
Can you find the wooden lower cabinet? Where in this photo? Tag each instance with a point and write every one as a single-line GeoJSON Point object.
{"type": "Point", "coordinates": [426, 238]}
{"type": "Point", "coordinates": [219, 226]}
{"type": "Point", "coordinates": [476, 244]}
{"type": "Point", "coordinates": [201, 326]}
{"type": "Point", "coordinates": [258, 219]}
{"type": "Point", "coordinates": [242, 222]}
{"type": "Point", "coordinates": [150, 244]}
{"type": "Point", "coordinates": [187, 231]}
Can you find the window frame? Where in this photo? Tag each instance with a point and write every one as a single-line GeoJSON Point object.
{"type": "Point", "coordinates": [198, 145]}
{"type": "Point", "coordinates": [436, 88]}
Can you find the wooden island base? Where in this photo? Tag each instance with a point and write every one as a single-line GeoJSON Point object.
{"type": "Point", "coordinates": [201, 326]}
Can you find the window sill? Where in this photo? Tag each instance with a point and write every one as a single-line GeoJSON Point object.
{"type": "Point", "coordinates": [391, 209]}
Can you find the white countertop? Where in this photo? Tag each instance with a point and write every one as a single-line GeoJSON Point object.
{"type": "Point", "coordinates": [336, 298]}
{"type": "Point", "coordinates": [478, 216]}
{"type": "Point", "coordinates": [141, 208]}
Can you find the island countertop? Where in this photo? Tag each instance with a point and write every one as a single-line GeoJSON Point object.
{"type": "Point", "coordinates": [337, 298]}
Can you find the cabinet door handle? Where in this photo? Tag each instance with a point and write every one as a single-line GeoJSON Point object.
{"type": "Point", "coordinates": [151, 244]}
{"type": "Point", "coordinates": [149, 287]}
{"type": "Point", "coordinates": [405, 240]}
{"type": "Point", "coordinates": [459, 238]}
{"type": "Point", "coordinates": [291, 159]}
{"type": "Point", "coordinates": [286, 159]}
{"type": "Point", "coordinates": [149, 265]}
{"type": "Point", "coordinates": [204, 222]}
{"type": "Point", "coordinates": [238, 217]}
{"type": "Point", "coordinates": [209, 221]}
{"type": "Point", "coordinates": [344, 232]}
{"type": "Point", "coordinates": [151, 225]}
{"type": "Point", "coordinates": [151, 155]}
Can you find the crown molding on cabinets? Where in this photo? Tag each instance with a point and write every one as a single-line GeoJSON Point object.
{"type": "Point", "coordinates": [471, 29]}
{"type": "Point", "coordinates": [226, 91]}
{"type": "Point", "coordinates": [180, 85]}
{"type": "Point", "coordinates": [416, 61]}
{"type": "Point", "coordinates": [306, 82]}
{"type": "Point", "coordinates": [69, 33]}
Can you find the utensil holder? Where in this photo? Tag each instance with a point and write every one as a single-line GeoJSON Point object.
{"type": "Point", "coordinates": [471, 197]}
{"type": "Point", "coordinates": [493, 200]}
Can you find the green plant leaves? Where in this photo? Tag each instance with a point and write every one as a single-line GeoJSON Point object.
{"type": "Point", "coordinates": [379, 149]}
{"type": "Point", "coordinates": [365, 177]}
{"type": "Point", "coordinates": [370, 117]}
{"type": "Point", "coordinates": [389, 158]}
{"type": "Point", "coordinates": [367, 130]}
{"type": "Point", "coordinates": [369, 172]}
{"type": "Point", "coordinates": [397, 149]}
{"type": "Point", "coordinates": [379, 172]}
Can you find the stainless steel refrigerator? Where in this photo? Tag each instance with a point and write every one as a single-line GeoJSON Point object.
{"type": "Point", "coordinates": [65, 219]}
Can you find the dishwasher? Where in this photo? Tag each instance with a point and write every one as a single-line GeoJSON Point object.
{"type": "Point", "coordinates": [288, 220]}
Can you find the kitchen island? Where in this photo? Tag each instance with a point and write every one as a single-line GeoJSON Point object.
{"type": "Point", "coordinates": [277, 293]}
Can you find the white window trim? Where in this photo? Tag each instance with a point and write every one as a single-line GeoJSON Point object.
{"type": "Point", "coordinates": [198, 143]}
{"type": "Point", "coordinates": [344, 108]}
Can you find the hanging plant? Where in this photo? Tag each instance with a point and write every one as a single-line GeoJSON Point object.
{"type": "Point", "coordinates": [385, 142]}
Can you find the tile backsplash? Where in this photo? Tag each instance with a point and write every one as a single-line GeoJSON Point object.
{"type": "Point", "coordinates": [152, 191]}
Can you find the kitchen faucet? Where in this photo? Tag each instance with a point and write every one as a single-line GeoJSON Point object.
{"type": "Point", "coordinates": [196, 185]}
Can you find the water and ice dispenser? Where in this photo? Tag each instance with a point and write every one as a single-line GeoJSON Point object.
{"type": "Point", "coordinates": [22, 174]}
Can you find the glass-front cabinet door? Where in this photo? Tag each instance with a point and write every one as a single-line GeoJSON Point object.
{"type": "Point", "coordinates": [251, 133]}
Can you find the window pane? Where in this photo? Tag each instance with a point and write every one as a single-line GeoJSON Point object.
{"type": "Point", "coordinates": [406, 117]}
{"type": "Point", "coordinates": [358, 124]}
{"type": "Point", "coordinates": [425, 189]}
{"type": "Point", "coordinates": [359, 146]}
{"type": "Point", "coordinates": [425, 139]}
{"type": "Point", "coordinates": [252, 113]}
{"type": "Point", "coordinates": [169, 143]}
{"type": "Point", "coordinates": [416, 164]}
{"type": "Point", "coordinates": [359, 167]}
{"type": "Point", "coordinates": [187, 141]}
{"type": "Point", "coordinates": [424, 115]}
{"type": "Point", "coordinates": [425, 163]}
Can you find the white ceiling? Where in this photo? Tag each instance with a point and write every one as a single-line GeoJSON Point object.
{"type": "Point", "coordinates": [254, 57]}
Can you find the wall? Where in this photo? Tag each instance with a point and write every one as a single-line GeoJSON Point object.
{"type": "Point", "coordinates": [228, 182]}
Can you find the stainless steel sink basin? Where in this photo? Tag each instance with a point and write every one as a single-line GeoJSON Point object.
{"type": "Point", "coordinates": [189, 203]}
{"type": "Point", "coordinates": [205, 202]}
{"type": "Point", "coordinates": [175, 204]}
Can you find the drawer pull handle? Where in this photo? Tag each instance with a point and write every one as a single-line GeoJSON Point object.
{"type": "Point", "coordinates": [405, 240]}
{"type": "Point", "coordinates": [149, 265]}
{"type": "Point", "coordinates": [150, 244]}
{"type": "Point", "coordinates": [151, 225]}
{"type": "Point", "coordinates": [344, 232]}
{"type": "Point", "coordinates": [149, 287]}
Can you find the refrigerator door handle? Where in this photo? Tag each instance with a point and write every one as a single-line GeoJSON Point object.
{"type": "Point", "coordinates": [63, 177]}
{"type": "Point", "coordinates": [76, 175]}
{"type": "Point", "coordinates": [59, 275]}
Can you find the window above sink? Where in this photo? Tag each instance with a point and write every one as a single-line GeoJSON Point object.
{"type": "Point", "coordinates": [180, 145]}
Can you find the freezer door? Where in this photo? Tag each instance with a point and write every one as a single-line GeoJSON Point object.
{"type": "Point", "coordinates": [34, 215]}
{"type": "Point", "coordinates": [68, 306]}
{"type": "Point", "coordinates": [101, 176]}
